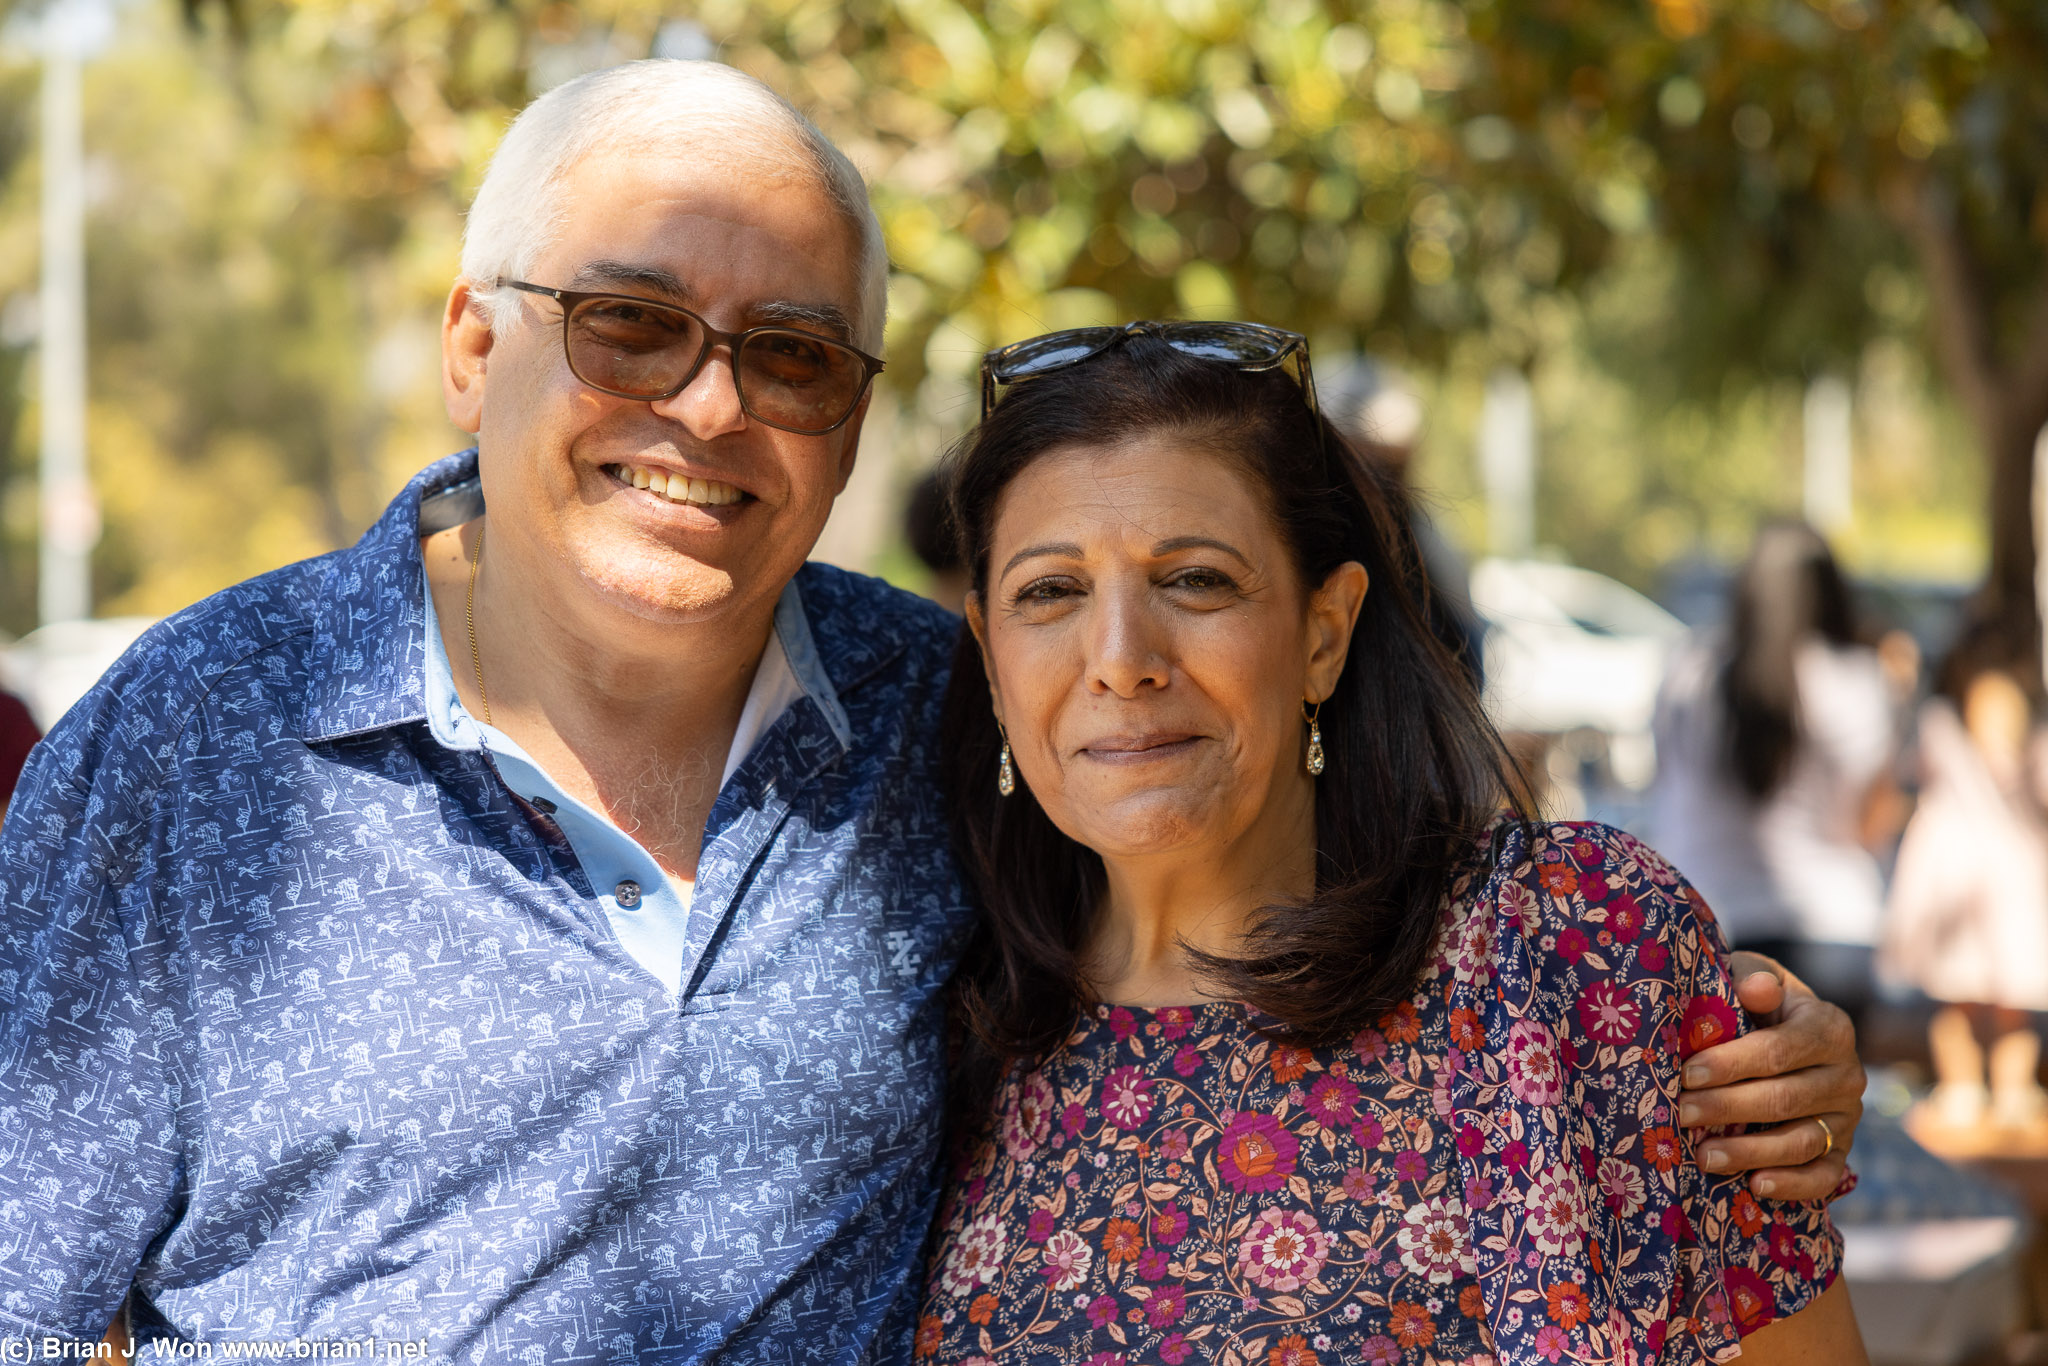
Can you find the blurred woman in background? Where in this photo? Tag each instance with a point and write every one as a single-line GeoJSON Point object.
{"type": "Point", "coordinates": [1775, 737]}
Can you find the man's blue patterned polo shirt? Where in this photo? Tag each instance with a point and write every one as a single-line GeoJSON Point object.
{"type": "Point", "coordinates": [315, 1030]}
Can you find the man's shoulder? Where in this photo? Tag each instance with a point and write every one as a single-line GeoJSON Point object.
{"type": "Point", "coordinates": [174, 665]}
{"type": "Point", "coordinates": [861, 622]}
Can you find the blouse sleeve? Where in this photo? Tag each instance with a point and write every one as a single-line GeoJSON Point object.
{"type": "Point", "coordinates": [1597, 970]}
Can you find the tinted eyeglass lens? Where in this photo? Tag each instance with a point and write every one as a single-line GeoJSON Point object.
{"type": "Point", "coordinates": [799, 381]}
{"type": "Point", "coordinates": [642, 350]}
{"type": "Point", "coordinates": [630, 348]}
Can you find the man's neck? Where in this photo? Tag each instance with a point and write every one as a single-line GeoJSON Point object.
{"type": "Point", "coordinates": [633, 720]}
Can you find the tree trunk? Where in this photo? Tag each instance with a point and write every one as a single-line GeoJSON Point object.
{"type": "Point", "coordinates": [2006, 604]}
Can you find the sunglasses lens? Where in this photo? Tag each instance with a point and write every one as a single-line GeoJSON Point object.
{"type": "Point", "coordinates": [1227, 342]}
{"type": "Point", "coordinates": [1055, 351]}
{"type": "Point", "coordinates": [799, 382]}
{"type": "Point", "coordinates": [634, 349]}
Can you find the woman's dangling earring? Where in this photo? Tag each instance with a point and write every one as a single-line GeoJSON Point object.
{"type": "Point", "coordinates": [1315, 738]}
{"type": "Point", "coordinates": [1006, 774]}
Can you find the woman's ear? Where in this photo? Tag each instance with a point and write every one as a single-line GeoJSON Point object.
{"type": "Point", "coordinates": [977, 622]}
{"type": "Point", "coordinates": [1332, 616]}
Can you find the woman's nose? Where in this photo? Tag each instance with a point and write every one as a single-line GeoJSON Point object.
{"type": "Point", "coordinates": [1126, 646]}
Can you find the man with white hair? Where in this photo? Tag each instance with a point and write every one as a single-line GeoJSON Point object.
{"type": "Point", "coordinates": [521, 935]}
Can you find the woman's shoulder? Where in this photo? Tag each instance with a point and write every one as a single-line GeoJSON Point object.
{"type": "Point", "coordinates": [1555, 907]}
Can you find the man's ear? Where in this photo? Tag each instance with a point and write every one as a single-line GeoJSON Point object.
{"type": "Point", "coordinates": [466, 341]}
{"type": "Point", "coordinates": [1332, 616]}
{"type": "Point", "coordinates": [850, 435]}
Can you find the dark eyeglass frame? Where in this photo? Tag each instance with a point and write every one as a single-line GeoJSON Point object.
{"type": "Point", "coordinates": [572, 299]}
{"type": "Point", "coordinates": [1019, 360]}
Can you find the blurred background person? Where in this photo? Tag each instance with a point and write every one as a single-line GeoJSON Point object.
{"type": "Point", "coordinates": [1775, 735]}
{"type": "Point", "coordinates": [929, 529]}
{"type": "Point", "coordinates": [18, 735]}
{"type": "Point", "coordinates": [1967, 920]}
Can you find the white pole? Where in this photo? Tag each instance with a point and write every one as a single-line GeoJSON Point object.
{"type": "Point", "coordinates": [1507, 462]}
{"type": "Point", "coordinates": [70, 521]}
{"type": "Point", "coordinates": [1829, 453]}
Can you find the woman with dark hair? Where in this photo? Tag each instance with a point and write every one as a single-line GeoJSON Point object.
{"type": "Point", "coordinates": [1774, 735]}
{"type": "Point", "coordinates": [1283, 1043]}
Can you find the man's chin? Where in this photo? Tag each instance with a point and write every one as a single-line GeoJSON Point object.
{"type": "Point", "coordinates": [692, 597]}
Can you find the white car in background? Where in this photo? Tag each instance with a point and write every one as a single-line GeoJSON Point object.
{"type": "Point", "coordinates": [1570, 651]}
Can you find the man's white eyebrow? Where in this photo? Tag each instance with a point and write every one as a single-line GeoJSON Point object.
{"type": "Point", "coordinates": [603, 275]}
{"type": "Point", "coordinates": [1067, 548]}
{"type": "Point", "coordinates": [1179, 543]}
{"type": "Point", "coordinates": [828, 318]}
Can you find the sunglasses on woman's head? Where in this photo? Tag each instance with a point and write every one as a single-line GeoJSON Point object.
{"type": "Point", "coordinates": [1242, 346]}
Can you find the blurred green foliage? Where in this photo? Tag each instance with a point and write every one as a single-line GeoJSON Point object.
{"type": "Point", "coordinates": [1670, 212]}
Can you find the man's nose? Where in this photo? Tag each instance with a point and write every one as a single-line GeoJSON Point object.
{"type": "Point", "coordinates": [1126, 644]}
{"type": "Point", "coordinates": [709, 405]}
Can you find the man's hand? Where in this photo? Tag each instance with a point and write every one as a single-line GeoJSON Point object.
{"type": "Point", "coordinates": [1802, 1064]}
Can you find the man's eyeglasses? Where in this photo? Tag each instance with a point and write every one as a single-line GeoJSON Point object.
{"type": "Point", "coordinates": [1243, 346]}
{"type": "Point", "coordinates": [630, 347]}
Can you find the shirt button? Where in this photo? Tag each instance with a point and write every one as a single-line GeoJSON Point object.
{"type": "Point", "coordinates": [627, 892]}
{"type": "Point", "coordinates": [544, 806]}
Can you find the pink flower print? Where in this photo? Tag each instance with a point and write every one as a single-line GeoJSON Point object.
{"type": "Point", "coordinates": [1368, 1132]}
{"type": "Point", "coordinates": [1625, 918]}
{"type": "Point", "coordinates": [1436, 1240]}
{"type": "Point", "coordinates": [1256, 1153]}
{"type": "Point", "coordinates": [1534, 1073]}
{"type": "Point", "coordinates": [1333, 1101]}
{"type": "Point", "coordinates": [1609, 1013]}
{"type": "Point", "coordinates": [1122, 1023]}
{"type": "Point", "coordinates": [1067, 1258]}
{"type": "Point", "coordinates": [1126, 1097]}
{"type": "Point", "coordinates": [1283, 1250]}
{"type": "Point", "coordinates": [1472, 949]}
{"type": "Point", "coordinates": [1479, 1193]}
{"type": "Point", "coordinates": [1556, 1205]}
{"type": "Point", "coordinates": [1516, 1154]}
{"type": "Point", "coordinates": [1151, 1264]}
{"type": "Point", "coordinates": [1040, 1226]}
{"type": "Point", "coordinates": [1172, 1145]}
{"type": "Point", "coordinates": [1027, 1118]}
{"type": "Point", "coordinates": [1101, 1310]}
{"type": "Point", "coordinates": [975, 1257]}
{"type": "Point", "coordinates": [1187, 1061]}
{"type": "Point", "coordinates": [1371, 1045]}
{"type": "Point", "coordinates": [1621, 1185]}
{"type": "Point", "coordinates": [1470, 1140]}
{"type": "Point", "coordinates": [1573, 944]}
{"type": "Point", "coordinates": [1653, 956]}
{"type": "Point", "coordinates": [1170, 1224]}
{"type": "Point", "coordinates": [1106, 1359]}
{"type": "Point", "coordinates": [1174, 1349]}
{"type": "Point", "coordinates": [1174, 1023]}
{"type": "Point", "coordinates": [1409, 1165]}
{"type": "Point", "coordinates": [1169, 1302]}
{"type": "Point", "coordinates": [1358, 1184]}
{"type": "Point", "coordinates": [1381, 1350]}
{"type": "Point", "coordinates": [1073, 1119]}
{"type": "Point", "coordinates": [1550, 1342]}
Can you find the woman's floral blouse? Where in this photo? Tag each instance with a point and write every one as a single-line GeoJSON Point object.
{"type": "Point", "coordinates": [1492, 1172]}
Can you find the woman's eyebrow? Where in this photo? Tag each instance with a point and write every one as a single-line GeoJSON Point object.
{"type": "Point", "coordinates": [1179, 543]}
{"type": "Point", "coordinates": [1067, 548]}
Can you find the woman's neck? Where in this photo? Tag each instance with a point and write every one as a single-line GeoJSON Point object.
{"type": "Point", "coordinates": [1156, 907]}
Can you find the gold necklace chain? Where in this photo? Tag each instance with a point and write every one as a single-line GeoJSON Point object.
{"type": "Point", "coordinates": [476, 659]}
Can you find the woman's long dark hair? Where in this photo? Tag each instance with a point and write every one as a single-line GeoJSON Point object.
{"type": "Point", "coordinates": [1788, 592]}
{"type": "Point", "coordinates": [1414, 771]}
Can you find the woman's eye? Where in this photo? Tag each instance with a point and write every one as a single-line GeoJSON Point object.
{"type": "Point", "coordinates": [1043, 590]}
{"type": "Point", "coordinates": [1201, 580]}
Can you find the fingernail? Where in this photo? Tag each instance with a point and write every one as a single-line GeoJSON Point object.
{"type": "Point", "coordinates": [1765, 1186]}
{"type": "Point", "coordinates": [1688, 1115]}
{"type": "Point", "coordinates": [1713, 1159]}
{"type": "Point", "coordinates": [1695, 1076]}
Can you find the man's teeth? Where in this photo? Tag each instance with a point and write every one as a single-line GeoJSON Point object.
{"type": "Point", "coordinates": [676, 488]}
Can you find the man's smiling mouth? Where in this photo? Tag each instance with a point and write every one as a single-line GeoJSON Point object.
{"type": "Point", "coordinates": [676, 488]}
